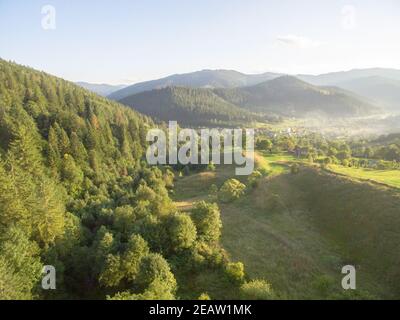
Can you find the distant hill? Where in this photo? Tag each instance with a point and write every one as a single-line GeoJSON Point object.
{"type": "Point", "coordinates": [290, 96]}
{"type": "Point", "coordinates": [282, 96]}
{"type": "Point", "coordinates": [335, 78]}
{"type": "Point", "coordinates": [101, 89]}
{"type": "Point", "coordinates": [188, 106]}
{"type": "Point", "coordinates": [383, 91]}
{"type": "Point", "coordinates": [378, 84]}
{"type": "Point", "coordinates": [198, 79]}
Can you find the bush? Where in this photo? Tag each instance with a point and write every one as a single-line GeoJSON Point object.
{"type": "Point", "coordinates": [254, 179]}
{"type": "Point", "coordinates": [256, 290]}
{"type": "Point", "coordinates": [231, 190]}
{"type": "Point", "coordinates": [235, 271]}
{"type": "Point", "coordinates": [211, 166]}
{"type": "Point", "coordinates": [204, 296]}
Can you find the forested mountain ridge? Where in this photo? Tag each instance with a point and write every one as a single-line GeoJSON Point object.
{"type": "Point", "coordinates": [190, 106]}
{"type": "Point", "coordinates": [75, 194]}
{"type": "Point", "coordinates": [198, 79]}
{"type": "Point", "coordinates": [290, 96]}
{"type": "Point", "coordinates": [379, 84]}
{"type": "Point", "coordinates": [282, 96]}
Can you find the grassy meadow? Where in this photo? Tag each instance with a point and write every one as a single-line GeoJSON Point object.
{"type": "Point", "coordinates": [298, 230]}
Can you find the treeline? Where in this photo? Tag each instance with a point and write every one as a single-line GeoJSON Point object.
{"type": "Point", "coordinates": [76, 193]}
{"type": "Point", "coordinates": [381, 154]}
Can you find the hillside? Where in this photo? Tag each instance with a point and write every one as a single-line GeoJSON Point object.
{"type": "Point", "coordinates": [76, 194]}
{"type": "Point", "coordinates": [290, 96]}
{"type": "Point", "coordinates": [198, 79]}
{"type": "Point", "coordinates": [188, 106]}
{"type": "Point", "coordinates": [101, 89]}
{"type": "Point", "coordinates": [298, 230]}
{"type": "Point", "coordinates": [383, 91]}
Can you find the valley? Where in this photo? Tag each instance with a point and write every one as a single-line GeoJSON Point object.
{"type": "Point", "coordinates": [194, 150]}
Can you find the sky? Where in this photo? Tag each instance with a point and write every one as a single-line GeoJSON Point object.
{"type": "Point", "coordinates": [123, 42]}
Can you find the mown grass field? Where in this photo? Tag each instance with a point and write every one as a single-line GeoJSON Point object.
{"type": "Point", "coordinates": [389, 177]}
{"type": "Point", "coordinates": [297, 231]}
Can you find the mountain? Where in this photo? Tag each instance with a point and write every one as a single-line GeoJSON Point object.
{"type": "Point", "coordinates": [190, 106]}
{"type": "Point", "coordinates": [383, 91]}
{"type": "Point", "coordinates": [380, 85]}
{"type": "Point", "coordinates": [335, 78]}
{"type": "Point", "coordinates": [198, 79]}
{"type": "Point", "coordinates": [101, 89]}
{"type": "Point", "coordinates": [364, 82]}
{"type": "Point", "coordinates": [282, 96]}
{"type": "Point", "coordinates": [289, 96]}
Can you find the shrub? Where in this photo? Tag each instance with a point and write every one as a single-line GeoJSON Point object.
{"type": "Point", "coordinates": [256, 290]}
{"type": "Point", "coordinates": [254, 179]}
{"type": "Point", "coordinates": [204, 296]}
{"type": "Point", "coordinates": [235, 271]}
{"type": "Point", "coordinates": [231, 190]}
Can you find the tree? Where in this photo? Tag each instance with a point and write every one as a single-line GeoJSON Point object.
{"type": "Point", "coordinates": [207, 219]}
{"type": "Point", "coordinates": [24, 153]}
{"type": "Point", "coordinates": [182, 232]}
{"type": "Point", "coordinates": [20, 266]}
{"type": "Point", "coordinates": [71, 174]}
{"type": "Point", "coordinates": [78, 150]}
{"type": "Point", "coordinates": [124, 219]}
{"type": "Point", "coordinates": [235, 271]}
{"type": "Point", "coordinates": [48, 216]}
{"type": "Point", "coordinates": [137, 248]}
{"type": "Point", "coordinates": [154, 269]}
{"type": "Point", "coordinates": [264, 144]}
{"type": "Point", "coordinates": [112, 273]}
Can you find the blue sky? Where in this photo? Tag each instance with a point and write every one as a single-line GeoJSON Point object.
{"type": "Point", "coordinates": [129, 41]}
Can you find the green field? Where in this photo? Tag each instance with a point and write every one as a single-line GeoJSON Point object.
{"type": "Point", "coordinates": [389, 177]}
{"type": "Point", "coordinates": [296, 231]}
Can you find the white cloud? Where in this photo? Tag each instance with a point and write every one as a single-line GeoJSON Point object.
{"type": "Point", "coordinates": [298, 41]}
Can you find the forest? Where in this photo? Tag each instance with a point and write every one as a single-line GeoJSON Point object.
{"type": "Point", "coordinates": [77, 194]}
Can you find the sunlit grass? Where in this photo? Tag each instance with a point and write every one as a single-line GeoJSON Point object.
{"type": "Point", "coordinates": [389, 177]}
